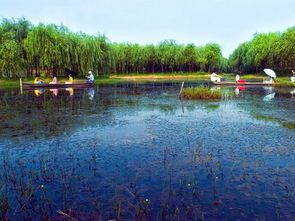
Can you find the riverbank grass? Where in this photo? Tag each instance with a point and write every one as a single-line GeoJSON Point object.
{"type": "Point", "coordinates": [175, 76]}
{"type": "Point", "coordinates": [200, 93]}
{"type": "Point", "coordinates": [283, 82]}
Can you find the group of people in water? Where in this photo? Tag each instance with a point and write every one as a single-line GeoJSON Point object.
{"type": "Point", "coordinates": [70, 80]}
{"type": "Point", "coordinates": [269, 80]}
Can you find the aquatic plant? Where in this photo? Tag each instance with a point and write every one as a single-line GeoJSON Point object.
{"type": "Point", "coordinates": [200, 93]}
{"type": "Point", "coordinates": [212, 107]}
{"type": "Point", "coordinates": [289, 125]}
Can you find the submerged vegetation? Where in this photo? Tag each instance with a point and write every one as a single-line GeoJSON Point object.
{"type": "Point", "coordinates": [289, 125]}
{"type": "Point", "coordinates": [26, 49]}
{"type": "Point", "coordinates": [200, 93]}
{"type": "Point", "coordinates": [212, 107]}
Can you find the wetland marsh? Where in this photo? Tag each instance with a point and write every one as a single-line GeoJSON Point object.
{"type": "Point", "coordinates": [136, 151]}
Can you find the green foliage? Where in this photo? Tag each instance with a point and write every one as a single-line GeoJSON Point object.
{"type": "Point", "coordinates": [283, 82]}
{"type": "Point", "coordinates": [272, 50]}
{"type": "Point", "coordinates": [212, 57]}
{"type": "Point", "coordinates": [26, 50]}
{"type": "Point", "coordinates": [12, 55]}
{"type": "Point", "coordinates": [200, 93]}
{"type": "Point", "coordinates": [9, 53]}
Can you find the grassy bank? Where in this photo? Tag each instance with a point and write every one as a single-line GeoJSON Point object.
{"type": "Point", "coordinates": [117, 78]}
{"type": "Point", "coordinates": [284, 82]}
{"type": "Point", "coordinates": [147, 77]}
{"type": "Point", "coordinates": [232, 76]}
{"type": "Point", "coordinates": [162, 76]}
{"type": "Point", "coordinates": [10, 83]}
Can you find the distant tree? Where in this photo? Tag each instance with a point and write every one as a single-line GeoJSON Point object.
{"type": "Point", "coordinates": [26, 49]}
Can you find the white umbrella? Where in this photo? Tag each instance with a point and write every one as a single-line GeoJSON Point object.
{"type": "Point", "coordinates": [270, 73]}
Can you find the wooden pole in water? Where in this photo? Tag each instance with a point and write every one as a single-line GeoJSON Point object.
{"type": "Point", "coordinates": [181, 88]}
{"type": "Point", "coordinates": [21, 86]}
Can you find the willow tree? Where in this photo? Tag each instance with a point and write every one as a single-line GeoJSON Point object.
{"type": "Point", "coordinates": [45, 49]}
{"type": "Point", "coordinates": [242, 59]}
{"type": "Point", "coordinates": [152, 58]}
{"type": "Point", "coordinates": [212, 56]}
{"type": "Point", "coordinates": [271, 50]}
{"type": "Point", "coordinates": [89, 53]}
{"type": "Point", "coordinates": [120, 54]}
{"type": "Point", "coordinates": [106, 62]}
{"type": "Point", "coordinates": [167, 53]}
{"type": "Point", "coordinates": [263, 47]}
{"type": "Point", "coordinates": [286, 50]}
{"type": "Point", "coordinates": [20, 28]}
{"type": "Point", "coordinates": [190, 57]}
{"type": "Point", "coordinates": [9, 54]}
{"type": "Point", "coordinates": [53, 48]}
{"type": "Point", "coordinates": [13, 32]}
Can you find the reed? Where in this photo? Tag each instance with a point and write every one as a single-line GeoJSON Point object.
{"type": "Point", "coordinates": [200, 93]}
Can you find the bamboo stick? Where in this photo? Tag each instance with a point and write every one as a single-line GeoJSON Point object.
{"type": "Point", "coordinates": [21, 86]}
{"type": "Point", "coordinates": [181, 88]}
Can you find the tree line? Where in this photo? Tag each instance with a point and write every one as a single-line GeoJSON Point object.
{"type": "Point", "coordinates": [26, 50]}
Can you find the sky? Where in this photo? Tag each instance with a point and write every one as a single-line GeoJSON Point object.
{"type": "Point", "coordinates": [226, 22]}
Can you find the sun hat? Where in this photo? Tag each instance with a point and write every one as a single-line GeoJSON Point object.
{"type": "Point", "coordinates": [90, 72]}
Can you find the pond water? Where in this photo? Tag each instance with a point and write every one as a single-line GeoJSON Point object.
{"type": "Point", "coordinates": [135, 151]}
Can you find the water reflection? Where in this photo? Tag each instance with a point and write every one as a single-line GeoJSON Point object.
{"type": "Point", "coordinates": [91, 93]}
{"type": "Point", "coordinates": [38, 92]}
{"type": "Point", "coordinates": [54, 91]}
{"type": "Point", "coordinates": [269, 97]}
{"type": "Point", "coordinates": [71, 91]}
{"type": "Point", "coordinates": [238, 89]}
{"type": "Point", "coordinates": [268, 90]}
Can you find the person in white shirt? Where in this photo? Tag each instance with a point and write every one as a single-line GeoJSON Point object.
{"type": "Point", "coordinates": [54, 80]}
{"type": "Point", "coordinates": [269, 80]}
{"type": "Point", "coordinates": [215, 78]}
{"type": "Point", "coordinates": [237, 77]}
{"type": "Point", "coordinates": [90, 77]}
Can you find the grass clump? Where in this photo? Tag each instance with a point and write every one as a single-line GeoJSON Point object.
{"type": "Point", "coordinates": [284, 82]}
{"type": "Point", "coordinates": [200, 93]}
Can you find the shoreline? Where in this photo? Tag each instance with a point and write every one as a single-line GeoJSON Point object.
{"type": "Point", "coordinates": [148, 77]}
{"type": "Point", "coordinates": [118, 78]}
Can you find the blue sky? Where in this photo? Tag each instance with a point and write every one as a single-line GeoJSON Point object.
{"type": "Point", "coordinates": [226, 22]}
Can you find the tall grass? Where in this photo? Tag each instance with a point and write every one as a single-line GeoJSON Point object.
{"type": "Point", "coordinates": [200, 93]}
